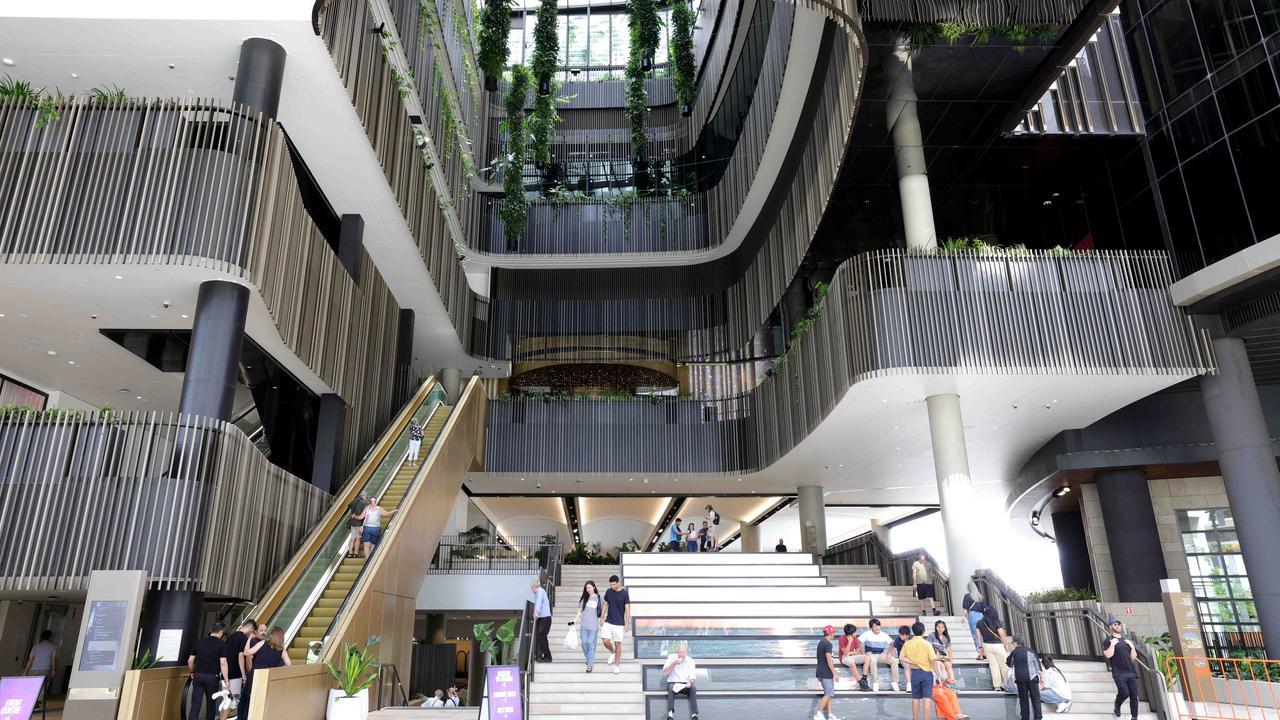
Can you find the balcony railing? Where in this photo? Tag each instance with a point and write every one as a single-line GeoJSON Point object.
{"type": "Point", "coordinates": [509, 556]}
{"type": "Point", "coordinates": [199, 184]}
{"type": "Point", "coordinates": [887, 312]}
{"type": "Point", "coordinates": [187, 499]}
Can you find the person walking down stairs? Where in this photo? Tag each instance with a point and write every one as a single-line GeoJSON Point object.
{"type": "Point", "coordinates": [1124, 669]}
{"type": "Point", "coordinates": [542, 623]}
{"type": "Point", "coordinates": [922, 583]}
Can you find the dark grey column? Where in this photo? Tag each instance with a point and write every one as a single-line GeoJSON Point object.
{"type": "Point", "coordinates": [351, 243]}
{"type": "Point", "coordinates": [171, 610]}
{"type": "Point", "coordinates": [260, 75]}
{"type": "Point", "coordinates": [209, 386]}
{"type": "Point", "coordinates": [404, 339]}
{"type": "Point", "coordinates": [1073, 551]}
{"type": "Point", "coordinates": [328, 440]}
{"type": "Point", "coordinates": [1249, 472]}
{"type": "Point", "coordinates": [1130, 520]}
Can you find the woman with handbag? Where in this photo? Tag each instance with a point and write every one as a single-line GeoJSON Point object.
{"type": "Point", "coordinates": [590, 610]}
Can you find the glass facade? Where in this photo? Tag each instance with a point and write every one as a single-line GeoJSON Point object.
{"type": "Point", "coordinates": [1219, 581]}
{"type": "Point", "coordinates": [589, 38]}
{"type": "Point", "coordinates": [1208, 71]}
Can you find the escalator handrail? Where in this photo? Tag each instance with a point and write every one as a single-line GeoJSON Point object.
{"type": "Point", "coordinates": [357, 586]}
{"type": "Point", "coordinates": [295, 625]}
{"type": "Point", "coordinates": [292, 572]}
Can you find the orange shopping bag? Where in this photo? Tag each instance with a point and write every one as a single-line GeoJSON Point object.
{"type": "Point", "coordinates": [946, 701]}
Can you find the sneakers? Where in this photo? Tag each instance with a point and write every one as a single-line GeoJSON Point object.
{"type": "Point", "coordinates": [937, 612]}
{"type": "Point", "coordinates": [671, 715]}
{"type": "Point", "coordinates": [617, 669]}
{"type": "Point", "coordinates": [895, 684]}
{"type": "Point", "coordinates": [693, 716]}
{"type": "Point", "coordinates": [1116, 711]}
{"type": "Point", "coordinates": [875, 687]}
{"type": "Point", "coordinates": [610, 660]}
{"type": "Point", "coordinates": [1064, 707]}
{"type": "Point", "coordinates": [862, 685]}
{"type": "Point", "coordinates": [819, 716]}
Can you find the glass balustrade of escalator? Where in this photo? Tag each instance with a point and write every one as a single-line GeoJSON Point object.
{"type": "Point", "coordinates": [329, 562]}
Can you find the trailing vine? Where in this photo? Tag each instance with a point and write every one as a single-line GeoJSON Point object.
{"type": "Point", "coordinates": [491, 38]}
{"type": "Point", "coordinates": [546, 46]}
{"type": "Point", "coordinates": [515, 208]}
{"type": "Point", "coordinates": [48, 106]}
{"type": "Point", "coordinates": [453, 127]}
{"type": "Point", "coordinates": [642, 16]}
{"type": "Point", "coordinates": [921, 35]}
{"type": "Point", "coordinates": [680, 53]}
{"type": "Point", "coordinates": [542, 126]}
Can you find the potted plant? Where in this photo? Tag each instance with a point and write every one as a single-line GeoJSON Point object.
{"type": "Point", "coordinates": [546, 46]}
{"type": "Point", "coordinates": [354, 677]}
{"type": "Point", "coordinates": [496, 646]}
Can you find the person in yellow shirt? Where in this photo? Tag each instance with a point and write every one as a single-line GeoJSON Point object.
{"type": "Point", "coordinates": [918, 656]}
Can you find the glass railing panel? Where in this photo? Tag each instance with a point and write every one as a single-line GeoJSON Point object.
{"type": "Point", "coordinates": [297, 603]}
{"type": "Point", "coordinates": [798, 676]}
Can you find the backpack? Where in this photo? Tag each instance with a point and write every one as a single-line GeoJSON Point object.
{"type": "Point", "coordinates": [715, 518]}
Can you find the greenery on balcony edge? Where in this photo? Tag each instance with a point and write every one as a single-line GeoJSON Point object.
{"type": "Point", "coordinates": [491, 39]}
{"type": "Point", "coordinates": [583, 554]}
{"type": "Point", "coordinates": [106, 413]}
{"type": "Point", "coordinates": [680, 53]}
{"type": "Point", "coordinates": [1054, 595]}
{"type": "Point", "coordinates": [922, 35]}
{"type": "Point", "coordinates": [645, 28]}
{"type": "Point", "coordinates": [981, 246]}
{"type": "Point", "coordinates": [801, 328]}
{"type": "Point", "coordinates": [452, 126]}
{"type": "Point", "coordinates": [49, 105]}
{"type": "Point", "coordinates": [514, 209]}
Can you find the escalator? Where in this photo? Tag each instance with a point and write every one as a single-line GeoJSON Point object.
{"type": "Point", "coordinates": [321, 585]}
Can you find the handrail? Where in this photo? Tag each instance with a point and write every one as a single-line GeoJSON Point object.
{"type": "Point", "coordinates": [1022, 619]}
{"type": "Point", "coordinates": [869, 549]}
{"type": "Point", "coordinates": [409, 490]}
{"type": "Point", "coordinates": [385, 669]}
{"type": "Point", "coordinates": [279, 590]}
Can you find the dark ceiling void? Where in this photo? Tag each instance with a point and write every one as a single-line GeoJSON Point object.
{"type": "Point", "coordinates": [288, 409]}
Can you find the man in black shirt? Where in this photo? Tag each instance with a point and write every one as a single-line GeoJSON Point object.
{"type": "Point", "coordinates": [235, 673]}
{"type": "Point", "coordinates": [780, 547]}
{"type": "Point", "coordinates": [826, 674]}
{"type": "Point", "coordinates": [1124, 668]}
{"type": "Point", "coordinates": [994, 645]}
{"type": "Point", "coordinates": [208, 666]}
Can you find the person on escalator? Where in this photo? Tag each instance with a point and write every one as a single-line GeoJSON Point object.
{"type": "Point", "coordinates": [371, 520]}
{"type": "Point", "coordinates": [415, 441]}
{"type": "Point", "coordinates": [356, 507]}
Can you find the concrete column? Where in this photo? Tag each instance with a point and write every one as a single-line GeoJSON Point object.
{"type": "Point", "coordinates": [259, 76]}
{"type": "Point", "coordinates": [351, 244]}
{"type": "Point", "coordinates": [451, 380]}
{"type": "Point", "coordinates": [1073, 551]}
{"type": "Point", "coordinates": [880, 531]}
{"type": "Point", "coordinates": [750, 538]}
{"type": "Point", "coordinates": [209, 384]}
{"type": "Point", "coordinates": [908, 144]}
{"type": "Point", "coordinates": [328, 441]}
{"type": "Point", "coordinates": [1130, 523]}
{"type": "Point", "coordinates": [961, 522]}
{"type": "Point", "coordinates": [1249, 472]}
{"type": "Point", "coordinates": [813, 520]}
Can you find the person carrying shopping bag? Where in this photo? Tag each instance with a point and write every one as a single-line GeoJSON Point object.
{"type": "Point", "coordinates": [587, 622]}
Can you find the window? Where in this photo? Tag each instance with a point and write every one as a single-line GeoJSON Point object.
{"type": "Point", "coordinates": [13, 392]}
{"type": "Point", "coordinates": [1227, 28]}
{"type": "Point", "coordinates": [1176, 49]}
{"type": "Point", "coordinates": [1219, 583]}
{"type": "Point", "coordinates": [1217, 203]}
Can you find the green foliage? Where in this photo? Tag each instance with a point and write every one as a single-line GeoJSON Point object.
{"type": "Point", "coordinates": [514, 210]}
{"type": "Point", "coordinates": [558, 197]}
{"type": "Point", "coordinates": [631, 545]}
{"type": "Point", "coordinates": [144, 662]}
{"type": "Point", "coordinates": [109, 93]}
{"type": "Point", "coordinates": [358, 670]}
{"type": "Point", "coordinates": [583, 554]}
{"type": "Point", "coordinates": [475, 535]}
{"type": "Point", "coordinates": [671, 547]}
{"type": "Point", "coordinates": [500, 644]}
{"type": "Point", "coordinates": [644, 27]}
{"type": "Point", "coordinates": [546, 45]}
{"type": "Point", "coordinates": [106, 413]}
{"type": "Point", "coordinates": [1062, 595]}
{"type": "Point", "coordinates": [542, 126]}
{"type": "Point", "coordinates": [491, 40]}
{"type": "Point", "coordinates": [922, 35]}
{"type": "Point", "coordinates": [680, 53]}
{"type": "Point", "coordinates": [21, 89]}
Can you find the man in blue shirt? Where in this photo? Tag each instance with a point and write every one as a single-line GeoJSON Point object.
{"type": "Point", "coordinates": [542, 622]}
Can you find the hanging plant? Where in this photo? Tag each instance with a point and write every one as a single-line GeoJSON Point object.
{"type": "Point", "coordinates": [680, 54]}
{"type": "Point", "coordinates": [495, 30]}
{"type": "Point", "coordinates": [542, 126]}
{"type": "Point", "coordinates": [645, 31]}
{"type": "Point", "coordinates": [644, 26]}
{"type": "Point", "coordinates": [546, 46]}
{"type": "Point", "coordinates": [515, 209]}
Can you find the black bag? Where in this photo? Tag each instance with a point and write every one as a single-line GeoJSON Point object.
{"type": "Point", "coordinates": [715, 518]}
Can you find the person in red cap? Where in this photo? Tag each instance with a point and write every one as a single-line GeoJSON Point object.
{"type": "Point", "coordinates": [826, 674]}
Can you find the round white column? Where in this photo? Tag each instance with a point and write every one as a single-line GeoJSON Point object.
{"type": "Point", "coordinates": [960, 521]}
{"type": "Point", "coordinates": [908, 145]}
{"type": "Point", "coordinates": [813, 520]}
{"type": "Point", "coordinates": [749, 540]}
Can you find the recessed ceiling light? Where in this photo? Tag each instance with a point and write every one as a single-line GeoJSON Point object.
{"type": "Point", "coordinates": [71, 362]}
{"type": "Point", "coordinates": [52, 352]}
{"type": "Point", "coordinates": [153, 317]}
{"type": "Point", "coordinates": [7, 61]}
{"type": "Point", "coordinates": [1, 315]}
{"type": "Point", "coordinates": [184, 317]}
{"type": "Point", "coordinates": [119, 277]}
{"type": "Point", "coordinates": [139, 397]}
{"type": "Point", "coordinates": [124, 390]}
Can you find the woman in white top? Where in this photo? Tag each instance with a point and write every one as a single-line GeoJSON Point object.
{"type": "Point", "coordinates": [371, 524]}
{"type": "Point", "coordinates": [1055, 691]}
{"type": "Point", "coordinates": [691, 539]}
{"type": "Point", "coordinates": [711, 518]}
{"type": "Point", "coordinates": [453, 700]}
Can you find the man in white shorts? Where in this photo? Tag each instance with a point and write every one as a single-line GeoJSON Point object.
{"type": "Point", "coordinates": [617, 618]}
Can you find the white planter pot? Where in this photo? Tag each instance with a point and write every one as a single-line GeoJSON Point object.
{"type": "Point", "coordinates": [347, 708]}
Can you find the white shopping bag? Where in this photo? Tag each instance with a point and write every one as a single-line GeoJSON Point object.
{"type": "Point", "coordinates": [571, 638]}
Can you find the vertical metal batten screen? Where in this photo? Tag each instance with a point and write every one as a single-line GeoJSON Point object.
{"type": "Point", "coordinates": [887, 313]}
{"type": "Point", "coordinates": [188, 182]}
{"type": "Point", "coordinates": [145, 491]}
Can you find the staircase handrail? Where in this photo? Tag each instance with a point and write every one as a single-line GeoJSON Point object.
{"type": "Point", "coordinates": [1025, 620]}
{"type": "Point", "coordinates": [869, 549]}
{"type": "Point", "coordinates": [389, 675]}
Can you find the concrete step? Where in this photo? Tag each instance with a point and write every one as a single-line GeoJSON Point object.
{"type": "Point", "coordinates": [584, 710]}
{"type": "Point", "coordinates": [600, 697]}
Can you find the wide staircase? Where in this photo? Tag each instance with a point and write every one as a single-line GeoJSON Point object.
{"type": "Point", "coordinates": [752, 623]}
{"type": "Point", "coordinates": [345, 570]}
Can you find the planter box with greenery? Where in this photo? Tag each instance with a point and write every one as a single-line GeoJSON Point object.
{"type": "Point", "coordinates": [354, 676]}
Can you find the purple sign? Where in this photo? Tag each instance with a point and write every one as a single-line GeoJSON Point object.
{"type": "Point", "coordinates": [503, 683]}
{"type": "Point", "coordinates": [18, 697]}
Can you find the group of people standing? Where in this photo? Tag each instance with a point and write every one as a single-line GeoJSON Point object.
{"type": "Point", "coordinates": [226, 663]}
{"type": "Point", "coordinates": [694, 538]}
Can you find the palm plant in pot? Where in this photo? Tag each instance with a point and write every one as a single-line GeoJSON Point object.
{"type": "Point", "coordinates": [357, 672]}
